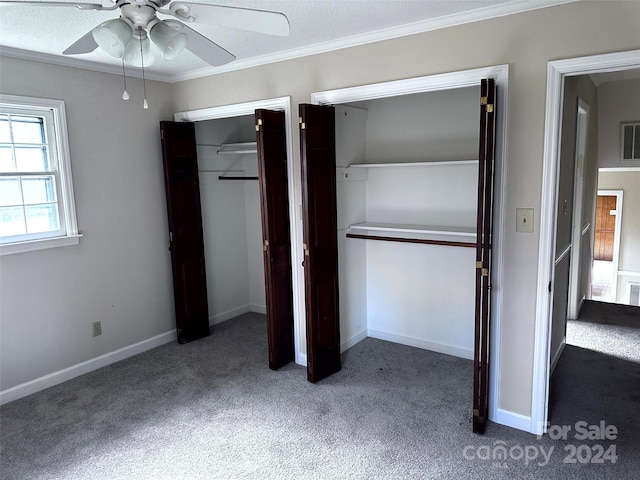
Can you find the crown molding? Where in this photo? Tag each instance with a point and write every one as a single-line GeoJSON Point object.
{"type": "Point", "coordinates": [486, 13]}
{"type": "Point", "coordinates": [80, 63]}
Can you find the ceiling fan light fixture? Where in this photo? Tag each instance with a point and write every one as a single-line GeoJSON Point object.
{"type": "Point", "coordinates": [168, 38]}
{"type": "Point", "coordinates": [133, 55]}
{"type": "Point", "coordinates": [113, 36]}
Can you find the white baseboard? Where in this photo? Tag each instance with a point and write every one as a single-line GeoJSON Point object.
{"type": "Point", "coordinates": [557, 355]}
{"type": "Point", "coordinates": [421, 343]}
{"type": "Point", "coordinates": [355, 339]}
{"type": "Point", "coordinates": [301, 359]}
{"type": "Point", "coordinates": [513, 420]}
{"type": "Point", "coordinates": [258, 308]}
{"type": "Point", "coordinates": [74, 371]}
{"type": "Point", "coordinates": [234, 312]}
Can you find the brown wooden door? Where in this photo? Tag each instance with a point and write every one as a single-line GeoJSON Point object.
{"type": "Point", "coordinates": [185, 230]}
{"type": "Point", "coordinates": [605, 227]}
{"type": "Point", "coordinates": [483, 256]}
{"type": "Point", "coordinates": [274, 205]}
{"type": "Point", "coordinates": [318, 154]}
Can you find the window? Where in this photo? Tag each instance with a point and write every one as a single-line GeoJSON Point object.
{"type": "Point", "coordinates": [36, 193]}
{"type": "Point", "coordinates": [630, 141]}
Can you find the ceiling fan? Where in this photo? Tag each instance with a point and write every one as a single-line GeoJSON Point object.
{"type": "Point", "coordinates": [129, 37]}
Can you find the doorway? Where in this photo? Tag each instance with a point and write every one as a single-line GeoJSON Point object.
{"type": "Point", "coordinates": [558, 72]}
{"type": "Point", "coordinates": [248, 110]}
{"type": "Point", "coordinates": [606, 245]}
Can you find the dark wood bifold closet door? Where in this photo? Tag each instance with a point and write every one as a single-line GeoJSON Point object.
{"type": "Point", "coordinates": [274, 204]}
{"type": "Point", "coordinates": [318, 154]}
{"type": "Point", "coordinates": [185, 230]}
{"type": "Point", "coordinates": [483, 255]}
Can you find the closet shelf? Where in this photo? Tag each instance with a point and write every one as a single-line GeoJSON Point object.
{"type": "Point", "coordinates": [238, 148]}
{"type": "Point", "coordinates": [414, 164]}
{"type": "Point", "coordinates": [425, 234]}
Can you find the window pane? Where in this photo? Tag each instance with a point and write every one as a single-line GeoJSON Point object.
{"type": "Point", "coordinates": [38, 189]}
{"type": "Point", "coordinates": [636, 144]}
{"type": "Point", "coordinates": [12, 221]}
{"type": "Point", "coordinates": [10, 191]}
{"type": "Point", "coordinates": [31, 159]}
{"type": "Point", "coordinates": [628, 142]}
{"type": "Point", "coordinates": [6, 160]}
{"type": "Point", "coordinates": [5, 136]}
{"type": "Point", "coordinates": [27, 129]}
{"type": "Point", "coordinates": [42, 218]}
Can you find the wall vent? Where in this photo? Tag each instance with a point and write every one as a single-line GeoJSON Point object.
{"type": "Point", "coordinates": [630, 140]}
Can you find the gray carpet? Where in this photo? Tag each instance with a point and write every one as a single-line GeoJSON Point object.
{"type": "Point", "coordinates": [212, 409]}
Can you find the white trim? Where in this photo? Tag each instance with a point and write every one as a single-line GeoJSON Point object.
{"type": "Point", "coordinates": [297, 277]}
{"type": "Point", "coordinates": [255, 308]}
{"type": "Point", "coordinates": [466, 78]}
{"type": "Point", "coordinates": [566, 249]}
{"type": "Point", "coordinates": [75, 62]}
{"type": "Point", "coordinates": [619, 194]}
{"type": "Point", "coordinates": [556, 71]}
{"type": "Point", "coordinates": [558, 354]}
{"type": "Point", "coordinates": [355, 339]}
{"type": "Point", "coordinates": [619, 169]}
{"type": "Point", "coordinates": [513, 420]}
{"type": "Point", "coordinates": [74, 371]}
{"type": "Point", "coordinates": [40, 244]}
{"type": "Point", "coordinates": [228, 314]}
{"type": "Point", "coordinates": [628, 273]}
{"type": "Point", "coordinates": [411, 341]}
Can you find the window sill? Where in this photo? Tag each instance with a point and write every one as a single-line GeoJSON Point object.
{"type": "Point", "coordinates": [42, 244]}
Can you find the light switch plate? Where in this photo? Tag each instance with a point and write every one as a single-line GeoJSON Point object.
{"type": "Point", "coordinates": [524, 220]}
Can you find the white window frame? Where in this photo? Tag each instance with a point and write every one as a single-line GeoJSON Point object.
{"type": "Point", "coordinates": [56, 129]}
{"type": "Point", "coordinates": [636, 128]}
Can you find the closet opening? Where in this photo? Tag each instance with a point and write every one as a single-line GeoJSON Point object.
{"type": "Point", "coordinates": [408, 180]}
{"type": "Point", "coordinates": [242, 188]}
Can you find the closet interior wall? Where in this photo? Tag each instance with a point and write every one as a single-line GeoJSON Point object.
{"type": "Point", "coordinates": [230, 219]}
{"type": "Point", "coordinates": [410, 293]}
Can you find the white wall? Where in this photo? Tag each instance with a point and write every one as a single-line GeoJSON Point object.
{"type": "Point", "coordinates": [617, 102]}
{"type": "Point", "coordinates": [527, 42]}
{"type": "Point", "coordinates": [629, 183]}
{"type": "Point", "coordinates": [120, 273]}
{"type": "Point", "coordinates": [231, 220]}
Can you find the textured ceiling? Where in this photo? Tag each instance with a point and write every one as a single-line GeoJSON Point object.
{"type": "Point", "coordinates": [319, 24]}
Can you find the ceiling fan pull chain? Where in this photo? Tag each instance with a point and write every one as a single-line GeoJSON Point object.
{"type": "Point", "coordinates": [125, 94]}
{"type": "Point", "coordinates": [145, 104]}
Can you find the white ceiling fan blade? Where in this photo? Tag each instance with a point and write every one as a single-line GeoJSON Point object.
{"type": "Point", "coordinates": [85, 44]}
{"type": "Point", "coordinates": [204, 48]}
{"type": "Point", "coordinates": [80, 5]}
{"type": "Point", "coordinates": [262, 21]}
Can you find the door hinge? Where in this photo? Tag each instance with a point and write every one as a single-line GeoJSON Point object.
{"type": "Point", "coordinates": [478, 264]}
{"type": "Point", "coordinates": [306, 249]}
{"type": "Point", "coordinates": [266, 245]}
{"type": "Point", "coordinates": [490, 108]}
{"type": "Point", "coordinates": [302, 124]}
{"type": "Point", "coordinates": [483, 100]}
{"type": "Point", "coordinates": [485, 272]}
{"type": "Point", "coordinates": [258, 125]}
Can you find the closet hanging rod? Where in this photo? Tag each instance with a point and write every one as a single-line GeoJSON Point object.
{"type": "Point", "coordinates": [220, 177]}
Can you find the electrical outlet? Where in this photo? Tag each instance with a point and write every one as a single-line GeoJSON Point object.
{"type": "Point", "coordinates": [524, 220]}
{"type": "Point", "coordinates": [97, 328]}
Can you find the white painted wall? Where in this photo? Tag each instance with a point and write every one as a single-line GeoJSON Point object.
{"type": "Point", "coordinates": [526, 42]}
{"type": "Point", "coordinates": [417, 295]}
{"type": "Point", "coordinates": [617, 102]}
{"type": "Point", "coordinates": [120, 273]}
{"type": "Point", "coordinates": [231, 220]}
{"type": "Point", "coordinates": [629, 183]}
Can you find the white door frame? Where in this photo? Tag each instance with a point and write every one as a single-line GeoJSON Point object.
{"type": "Point", "coordinates": [447, 81]}
{"type": "Point", "coordinates": [619, 194]}
{"type": "Point", "coordinates": [556, 73]}
{"type": "Point", "coordinates": [248, 108]}
{"type": "Point", "coordinates": [577, 228]}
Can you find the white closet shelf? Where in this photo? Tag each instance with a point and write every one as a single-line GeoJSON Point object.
{"type": "Point", "coordinates": [427, 234]}
{"type": "Point", "coordinates": [414, 164]}
{"type": "Point", "coordinates": [238, 148]}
